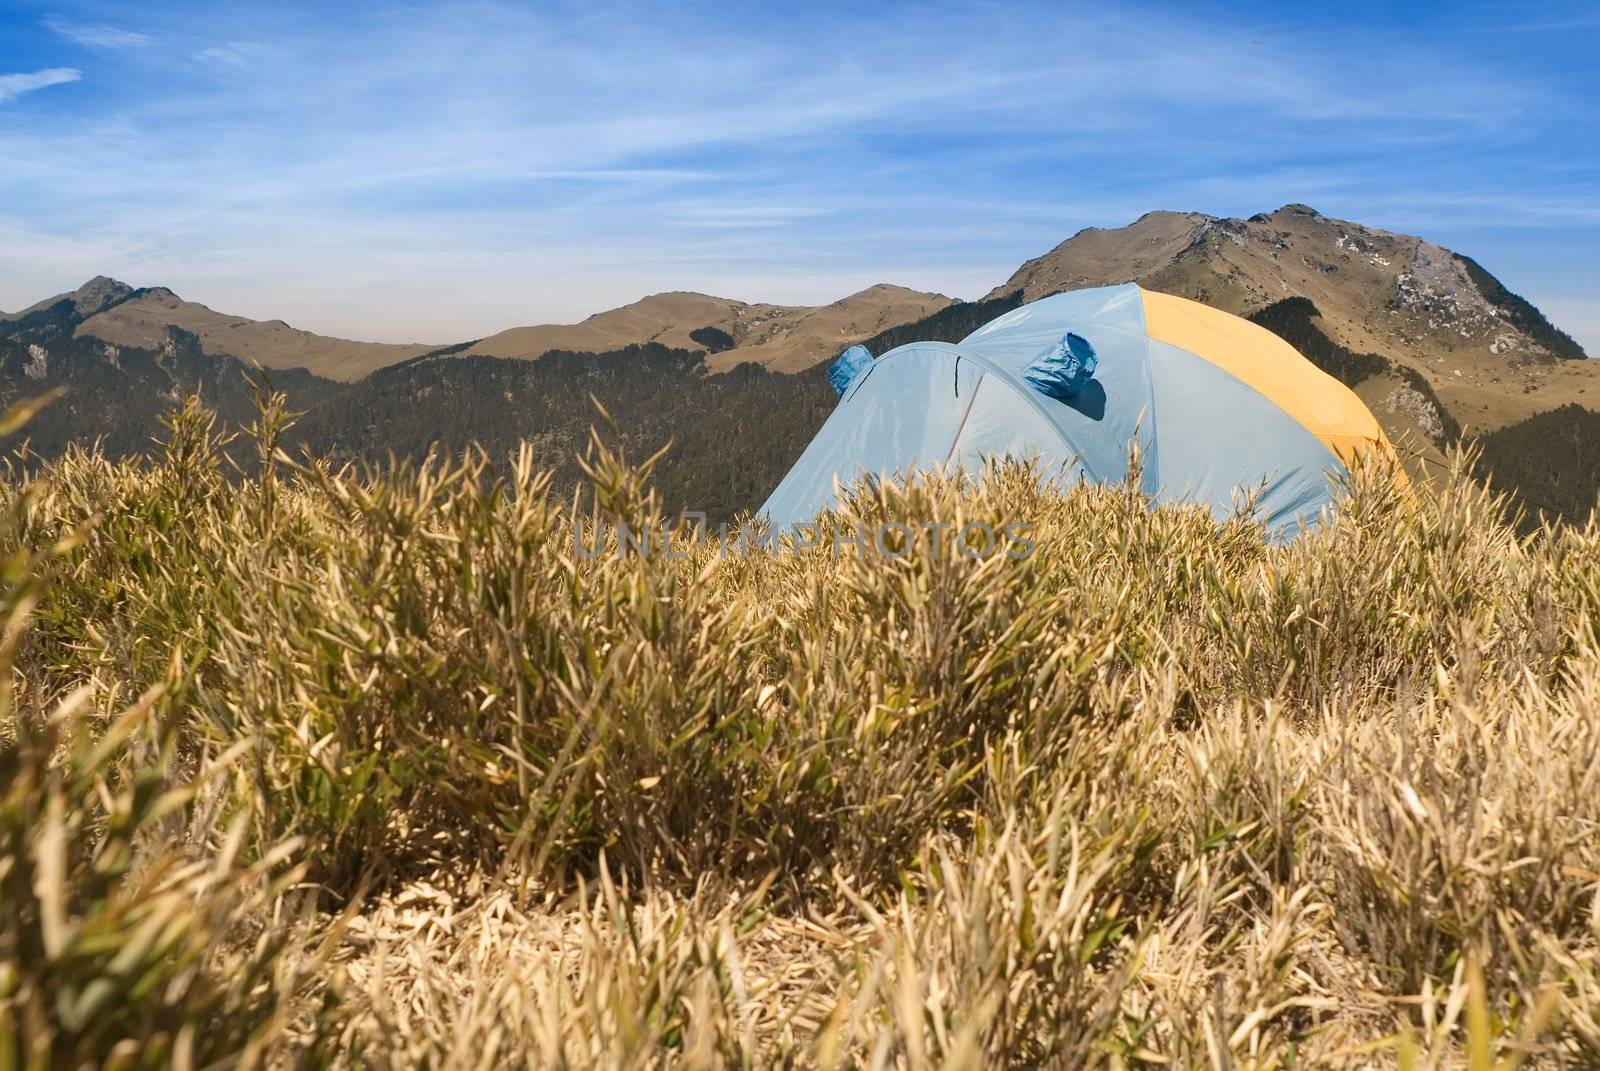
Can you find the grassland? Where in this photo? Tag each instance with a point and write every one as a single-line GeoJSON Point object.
{"type": "Point", "coordinates": [371, 768]}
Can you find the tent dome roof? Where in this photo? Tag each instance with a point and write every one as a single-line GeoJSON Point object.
{"type": "Point", "coordinates": [1219, 407]}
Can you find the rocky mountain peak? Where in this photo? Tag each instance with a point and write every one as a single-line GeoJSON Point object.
{"type": "Point", "coordinates": [1491, 356]}
{"type": "Point", "coordinates": [99, 293]}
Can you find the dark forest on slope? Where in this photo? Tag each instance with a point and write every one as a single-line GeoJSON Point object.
{"type": "Point", "coordinates": [1294, 320]}
{"type": "Point", "coordinates": [1550, 463]}
{"type": "Point", "coordinates": [732, 435]}
{"type": "Point", "coordinates": [117, 395]}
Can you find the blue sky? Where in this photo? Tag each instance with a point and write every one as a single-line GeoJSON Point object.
{"type": "Point", "coordinates": [441, 171]}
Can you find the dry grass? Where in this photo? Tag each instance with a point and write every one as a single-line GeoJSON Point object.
{"type": "Point", "coordinates": [374, 769]}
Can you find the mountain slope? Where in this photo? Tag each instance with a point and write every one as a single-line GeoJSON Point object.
{"type": "Point", "coordinates": [779, 337]}
{"type": "Point", "coordinates": [732, 435]}
{"type": "Point", "coordinates": [665, 319]}
{"type": "Point", "coordinates": [802, 338]}
{"type": "Point", "coordinates": [1550, 463]}
{"type": "Point", "coordinates": [116, 395]}
{"type": "Point", "coordinates": [98, 293]}
{"type": "Point", "coordinates": [115, 312]}
{"type": "Point", "coordinates": [1490, 356]}
{"type": "Point", "coordinates": [1434, 344]}
{"type": "Point", "coordinates": [143, 320]}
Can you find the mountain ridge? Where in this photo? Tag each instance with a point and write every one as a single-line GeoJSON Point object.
{"type": "Point", "coordinates": [784, 338]}
{"type": "Point", "coordinates": [1492, 357]}
{"type": "Point", "coordinates": [1412, 301]}
{"type": "Point", "coordinates": [1434, 344]}
{"type": "Point", "coordinates": [114, 312]}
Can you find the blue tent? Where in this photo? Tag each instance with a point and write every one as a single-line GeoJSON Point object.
{"type": "Point", "coordinates": [1217, 405]}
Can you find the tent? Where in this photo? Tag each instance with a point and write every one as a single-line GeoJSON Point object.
{"type": "Point", "coordinates": [1217, 405]}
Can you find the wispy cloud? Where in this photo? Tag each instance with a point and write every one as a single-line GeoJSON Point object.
{"type": "Point", "coordinates": [96, 35]}
{"type": "Point", "coordinates": [13, 86]}
{"type": "Point", "coordinates": [234, 58]}
{"type": "Point", "coordinates": [404, 169]}
{"type": "Point", "coordinates": [720, 214]}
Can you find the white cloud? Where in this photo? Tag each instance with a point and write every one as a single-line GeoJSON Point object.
{"type": "Point", "coordinates": [96, 35]}
{"type": "Point", "coordinates": [13, 86]}
{"type": "Point", "coordinates": [482, 162]}
{"type": "Point", "coordinates": [231, 58]}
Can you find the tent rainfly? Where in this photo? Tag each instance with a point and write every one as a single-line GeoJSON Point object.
{"type": "Point", "coordinates": [1219, 408]}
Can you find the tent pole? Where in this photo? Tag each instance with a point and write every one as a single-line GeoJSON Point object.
{"type": "Point", "coordinates": [963, 425]}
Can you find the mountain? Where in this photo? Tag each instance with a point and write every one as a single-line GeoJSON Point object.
{"type": "Point", "coordinates": [1489, 356]}
{"type": "Point", "coordinates": [117, 394]}
{"type": "Point", "coordinates": [783, 338]}
{"type": "Point", "coordinates": [115, 312]}
{"type": "Point", "coordinates": [733, 434]}
{"type": "Point", "coordinates": [97, 294]}
{"type": "Point", "coordinates": [1435, 345]}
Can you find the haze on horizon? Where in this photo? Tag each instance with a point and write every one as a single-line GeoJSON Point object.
{"type": "Point", "coordinates": [439, 172]}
